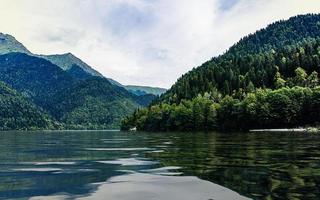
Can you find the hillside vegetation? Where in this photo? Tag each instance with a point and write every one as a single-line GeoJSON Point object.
{"type": "Point", "coordinates": [94, 103]}
{"type": "Point", "coordinates": [229, 90]}
{"type": "Point", "coordinates": [18, 113]}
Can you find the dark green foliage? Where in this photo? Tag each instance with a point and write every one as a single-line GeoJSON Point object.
{"type": "Point", "coordinates": [278, 34]}
{"type": "Point", "coordinates": [17, 113]}
{"type": "Point", "coordinates": [198, 114]}
{"type": "Point", "coordinates": [265, 108]}
{"type": "Point", "coordinates": [286, 107]}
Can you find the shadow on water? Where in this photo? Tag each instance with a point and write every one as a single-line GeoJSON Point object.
{"type": "Point", "coordinates": [261, 166]}
{"type": "Point", "coordinates": [78, 164]}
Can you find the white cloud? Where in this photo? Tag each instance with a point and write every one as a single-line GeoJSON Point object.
{"type": "Point", "coordinates": [144, 42]}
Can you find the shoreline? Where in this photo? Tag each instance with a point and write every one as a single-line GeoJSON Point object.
{"type": "Point", "coordinates": [286, 130]}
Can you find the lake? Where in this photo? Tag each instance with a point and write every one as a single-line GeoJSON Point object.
{"type": "Point", "coordinates": [159, 166]}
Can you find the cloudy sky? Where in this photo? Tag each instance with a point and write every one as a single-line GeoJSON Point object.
{"type": "Point", "coordinates": [143, 42]}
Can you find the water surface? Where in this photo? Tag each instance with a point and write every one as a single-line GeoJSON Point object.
{"type": "Point", "coordinates": [162, 166]}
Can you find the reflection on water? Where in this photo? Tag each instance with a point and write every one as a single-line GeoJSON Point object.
{"type": "Point", "coordinates": [71, 165]}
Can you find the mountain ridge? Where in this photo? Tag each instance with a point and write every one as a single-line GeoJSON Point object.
{"type": "Point", "coordinates": [66, 61]}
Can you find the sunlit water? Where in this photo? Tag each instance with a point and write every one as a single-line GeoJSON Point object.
{"type": "Point", "coordinates": [159, 166]}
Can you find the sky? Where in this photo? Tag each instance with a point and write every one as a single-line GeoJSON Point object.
{"type": "Point", "coordinates": [142, 42]}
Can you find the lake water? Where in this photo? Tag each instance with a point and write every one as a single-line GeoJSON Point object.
{"type": "Point", "coordinates": [176, 166]}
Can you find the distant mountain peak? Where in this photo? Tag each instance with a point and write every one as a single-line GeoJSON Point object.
{"type": "Point", "coordinates": [9, 44]}
{"type": "Point", "coordinates": [68, 60]}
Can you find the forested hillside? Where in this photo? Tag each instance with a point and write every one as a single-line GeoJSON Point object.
{"type": "Point", "coordinates": [36, 78]}
{"type": "Point", "coordinates": [94, 103]}
{"type": "Point", "coordinates": [18, 113]}
{"type": "Point", "coordinates": [73, 98]}
{"type": "Point", "coordinates": [254, 61]}
{"type": "Point", "coordinates": [284, 55]}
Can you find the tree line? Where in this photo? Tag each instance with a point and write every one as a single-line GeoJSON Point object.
{"type": "Point", "coordinates": [285, 107]}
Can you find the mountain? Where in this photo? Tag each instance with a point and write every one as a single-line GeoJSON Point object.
{"type": "Point", "coordinates": [66, 88]}
{"type": "Point", "coordinates": [71, 64]}
{"type": "Point", "coordinates": [252, 85]}
{"type": "Point", "coordinates": [143, 90]}
{"type": "Point", "coordinates": [18, 113]}
{"type": "Point", "coordinates": [68, 60]}
{"type": "Point", "coordinates": [9, 44]}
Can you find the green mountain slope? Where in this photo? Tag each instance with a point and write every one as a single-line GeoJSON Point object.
{"type": "Point", "coordinates": [78, 73]}
{"type": "Point", "coordinates": [143, 90]}
{"type": "Point", "coordinates": [34, 77]}
{"type": "Point", "coordinates": [93, 104]}
{"type": "Point", "coordinates": [284, 55]}
{"type": "Point", "coordinates": [18, 113]}
{"type": "Point", "coordinates": [279, 34]}
{"type": "Point", "coordinates": [253, 61]}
